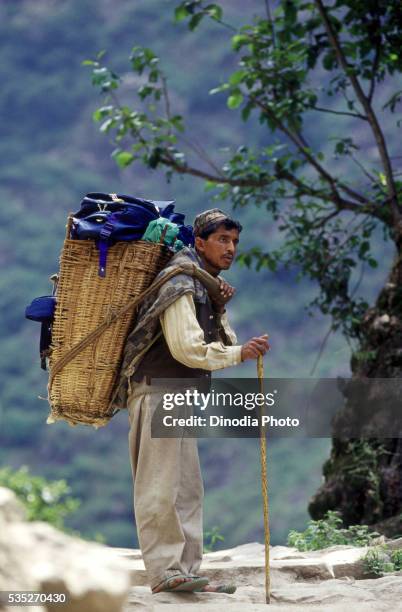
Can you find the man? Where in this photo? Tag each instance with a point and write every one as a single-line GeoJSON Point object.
{"type": "Point", "coordinates": [180, 333]}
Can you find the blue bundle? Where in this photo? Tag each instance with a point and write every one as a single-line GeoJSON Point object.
{"type": "Point", "coordinates": [111, 218]}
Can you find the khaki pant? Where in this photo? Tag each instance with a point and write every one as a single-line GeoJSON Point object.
{"type": "Point", "coordinates": [168, 492]}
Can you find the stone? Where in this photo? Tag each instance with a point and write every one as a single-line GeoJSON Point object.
{"type": "Point", "coordinates": [36, 556]}
{"type": "Point", "coordinates": [384, 319]}
{"type": "Point", "coordinates": [10, 508]}
{"type": "Point", "coordinates": [395, 544]}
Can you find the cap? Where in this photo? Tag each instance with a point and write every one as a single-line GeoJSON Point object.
{"type": "Point", "coordinates": [208, 218]}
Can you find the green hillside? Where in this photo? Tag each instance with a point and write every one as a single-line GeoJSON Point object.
{"type": "Point", "coordinates": [51, 155]}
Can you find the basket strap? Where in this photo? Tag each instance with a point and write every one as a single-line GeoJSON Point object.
{"type": "Point", "coordinates": [104, 238]}
{"type": "Point", "coordinates": [91, 337]}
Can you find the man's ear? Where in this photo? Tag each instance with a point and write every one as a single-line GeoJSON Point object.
{"type": "Point", "coordinates": [199, 244]}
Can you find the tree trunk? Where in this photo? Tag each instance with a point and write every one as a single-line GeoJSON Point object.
{"type": "Point", "coordinates": [363, 476]}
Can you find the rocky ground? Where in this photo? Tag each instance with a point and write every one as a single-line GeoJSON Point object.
{"type": "Point", "coordinates": [96, 578]}
{"type": "Point", "coordinates": [331, 580]}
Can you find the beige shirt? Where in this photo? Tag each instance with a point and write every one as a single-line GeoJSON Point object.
{"type": "Point", "coordinates": [185, 338]}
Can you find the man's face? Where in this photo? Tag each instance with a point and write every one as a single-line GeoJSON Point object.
{"type": "Point", "coordinates": [219, 249]}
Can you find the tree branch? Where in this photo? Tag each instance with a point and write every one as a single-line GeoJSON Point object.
{"type": "Point", "coordinates": [323, 220]}
{"type": "Point", "coordinates": [371, 116]}
{"type": "Point", "coordinates": [321, 350]}
{"type": "Point", "coordinates": [280, 174]}
{"type": "Point", "coordinates": [375, 66]}
{"type": "Point", "coordinates": [301, 145]}
{"type": "Point", "coordinates": [362, 168]}
{"type": "Point", "coordinates": [271, 21]}
{"type": "Point", "coordinates": [166, 97]}
{"type": "Point", "coordinates": [200, 151]}
{"type": "Point", "coordinates": [359, 280]}
{"type": "Point", "coordinates": [169, 161]}
{"type": "Point", "coordinates": [225, 24]}
{"type": "Point", "coordinates": [340, 202]}
{"type": "Point", "coordinates": [333, 112]}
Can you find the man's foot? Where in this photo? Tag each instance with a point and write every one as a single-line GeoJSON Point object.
{"type": "Point", "coordinates": [180, 582]}
{"type": "Point", "coordinates": [217, 588]}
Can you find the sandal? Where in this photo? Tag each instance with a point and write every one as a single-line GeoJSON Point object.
{"type": "Point", "coordinates": [189, 583]}
{"type": "Point", "coordinates": [218, 588]}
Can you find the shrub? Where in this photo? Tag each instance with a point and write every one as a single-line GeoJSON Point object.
{"type": "Point", "coordinates": [328, 532]}
{"type": "Point", "coordinates": [378, 560]}
{"type": "Point", "coordinates": [211, 538]}
{"type": "Point", "coordinates": [44, 500]}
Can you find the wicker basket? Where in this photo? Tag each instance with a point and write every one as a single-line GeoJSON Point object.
{"type": "Point", "coordinates": [81, 391]}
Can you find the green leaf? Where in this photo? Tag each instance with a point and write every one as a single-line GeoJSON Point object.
{"type": "Point", "coordinates": [329, 61]}
{"type": "Point", "coordinates": [154, 76]}
{"type": "Point", "coordinates": [180, 13]}
{"type": "Point", "coordinates": [214, 11]}
{"type": "Point", "coordinates": [101, 71]}
{"type": "Point", "coordinates": [290, 11]}
{"type": "Point", "coordinates": [383, 179]}
{"type": "Point", "coordinates": [149, 54]}
{"type": "Point", "coordinates": [97, 115]}
{"type": "Point", "coordinates": [237, 77]}
{"type": "Point", "coordinates": [393, 101]}
{"type": "Point", "coordinates": [364, 248]}
{"type": "Point", "coordinates": [123, 158]}
{"type": "Point", "coordinates": [239, 40]}
{"type": "Point", "coordinates": [209, 185]}
{"type": "Point", "coordinates": [234, 100]}
{"type": "Point", "coordinates": [154, 157]}
{"type": "Point", "coordinates": [101, 113]}
{"type": "Point", "coordinates": [144, 91]}
{"type": "Point", "coordinates": [245, 112]}
{"type": "Point", "coordinates": [177, 122]}
{"type": "Point", "coordinates": [195, 20]}
{"type": "Point", "coordinates": [219, 89]}
{"type": "Point", "coordinates": [106, 125]}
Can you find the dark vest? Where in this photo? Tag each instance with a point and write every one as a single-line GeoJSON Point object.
{"type": "Point", "coordinates": [158, 361]}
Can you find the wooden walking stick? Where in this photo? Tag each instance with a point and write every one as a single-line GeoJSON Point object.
{"type": "Point", "coordinates": [264, 483]}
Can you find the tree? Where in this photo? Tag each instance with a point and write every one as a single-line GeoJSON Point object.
{"type": "Point", "coordinates": [297, 61]}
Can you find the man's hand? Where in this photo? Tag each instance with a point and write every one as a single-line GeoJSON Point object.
{"type": "Point", "coordinates": [255, 347]}
{"type": "Point", "coordinates": [226, 294]}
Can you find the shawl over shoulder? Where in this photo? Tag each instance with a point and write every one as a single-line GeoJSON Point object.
{"type": "Point", "coordinates": [146, 329]}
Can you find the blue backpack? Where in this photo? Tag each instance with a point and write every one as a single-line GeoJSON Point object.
{"type": "Point", "coordinates": [110, 218]}
{"type": "Point", "coordinates": [42, 309]}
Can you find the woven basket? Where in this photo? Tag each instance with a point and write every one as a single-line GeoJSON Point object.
{"type": "Point", "coordinates": [81, 391]}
